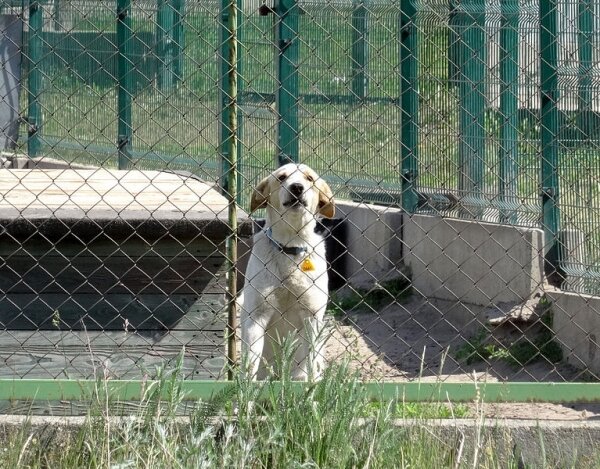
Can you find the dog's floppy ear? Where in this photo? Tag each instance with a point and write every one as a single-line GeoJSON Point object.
{"type": "Point", "coordinates": [260, 195]}
{"type": "Point", "coordinates": [326, 203]}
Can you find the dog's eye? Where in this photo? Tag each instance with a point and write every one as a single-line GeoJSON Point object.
{"type": "Point", "coordinates": [282, 177]}
{"type": "Point", "coordinates": [309, 178]}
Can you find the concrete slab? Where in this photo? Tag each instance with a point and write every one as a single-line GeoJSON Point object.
{"type": "Point", "coordinates": [534, 443]}
{"type": "Point", "coordinates": [472, 261]}
{"type": "Point", "coordinates": [374, 247]}
{"type": "Point", "coordinates": [577, 328]}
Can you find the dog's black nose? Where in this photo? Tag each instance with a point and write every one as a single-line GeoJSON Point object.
{"type": "Point", "coordinates": [296, 189]}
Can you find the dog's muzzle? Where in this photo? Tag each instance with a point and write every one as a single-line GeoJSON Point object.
{"type": "Point", "coordinates": [296, 196]}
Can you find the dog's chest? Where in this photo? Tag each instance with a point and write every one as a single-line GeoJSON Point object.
{"type": "Point", "coordinates": [298, 272]}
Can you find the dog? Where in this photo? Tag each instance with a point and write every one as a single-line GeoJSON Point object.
{"type": "Point", "coordinates": [285, 291]}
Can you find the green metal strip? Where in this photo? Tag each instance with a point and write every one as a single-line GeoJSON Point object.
{"type": "Point", "coordinates": [34, 78]}
{"type": "Point", "coordinates": [286, 39]}
{"type": "Point", "coordinates": [549, 133]}
{"type": "Point", "coordinates": [472, 102]}
{"type": "Point", "coordinates": [585, 39]}
{"type": "Point", "coordinates": [72, 390]}
{"type": "Point", "coordinates": [125, 83]}
{"type": "Point", "coordinates": [178, 39]}
{"type": "Point", "coordinates": [409, 105]}
{"type": "Point", "coordinates": [509, 110]}
{"type": "Point", "coordinates": [360, 49]}
{"type": "Point", "coordinates": [164, 44]}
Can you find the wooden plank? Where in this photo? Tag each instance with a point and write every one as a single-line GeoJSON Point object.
{"type": "Point", "coordinates": [108, 275]}
{"type": "Point", "coordinates": [130, 245]}
{"type": "Point", "coordinates": [95, 202]}
{"type": "Point", "coordinates": [145, 314]}
{"type": "Point", "coordinates": [57, 192]}
{"type": "Point", "coordinates": [87, 355]}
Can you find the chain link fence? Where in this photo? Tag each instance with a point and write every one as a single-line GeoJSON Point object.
{"type": "Point", "coordinates": [459, 139]}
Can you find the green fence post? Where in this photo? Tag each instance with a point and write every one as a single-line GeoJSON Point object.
{"type": "Point", "coordinates": [287, 93]}
{"type": "Point", "coordinates": [34, 78]}
{"type": "Point", "coordinates": [549, 136]}
{"type": "Point", "coordinates": [360, 49]}
{"type": "Point", "coordinates": [585, 113]}
{"type": "Point", "coordinates": [409, 105]}
{"type": "Point", "coordinates": [509, 111]}
{"type": "Point", "coordinates": [125, 83]}
{"type": "Point", "coordinates": [164, 44]}
{"type": "Point", "coordinates": [178, 39]}
{"type": "Point", "coordinates": [472, 89]}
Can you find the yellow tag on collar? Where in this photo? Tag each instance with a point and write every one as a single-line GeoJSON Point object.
{"type": "Point", "coordinates": [307, 265]}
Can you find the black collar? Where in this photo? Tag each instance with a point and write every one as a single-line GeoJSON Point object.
{"type": "Point", "coordinates": [289, 250]}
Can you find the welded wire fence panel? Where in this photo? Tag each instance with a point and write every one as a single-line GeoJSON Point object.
{"type": "Point", "coordinates": [446, 231]}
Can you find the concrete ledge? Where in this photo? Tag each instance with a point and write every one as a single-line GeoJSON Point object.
{"type": "Point", "coordinates": [472, 261]}
{"type": "Point", "coordinates": [577, 328]}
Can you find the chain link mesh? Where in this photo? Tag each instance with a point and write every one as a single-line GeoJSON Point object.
{"type": "Point", "coordinates": [444, 129]}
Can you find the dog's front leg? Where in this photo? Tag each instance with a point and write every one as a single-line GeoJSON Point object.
{"type": "Point", "coordinates": [253, 342]}
{"type": "Point", "coordinates": [310, 359]}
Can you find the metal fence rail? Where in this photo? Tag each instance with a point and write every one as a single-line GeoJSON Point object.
{"type": "Point", "coordinates": [459, 139]}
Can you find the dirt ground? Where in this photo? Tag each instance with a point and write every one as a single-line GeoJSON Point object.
{"type": "Point", "coordinates": [423, 340]}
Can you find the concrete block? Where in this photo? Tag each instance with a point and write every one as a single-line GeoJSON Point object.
{"type": "Point", "coordinates": [374, 247]}
{"type": "Point", "coordinates": [577, 328]}
{"type": "Point", "coordinates": [472, 261]}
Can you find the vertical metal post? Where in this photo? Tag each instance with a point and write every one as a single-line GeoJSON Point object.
{"type": "Point", "coordinates": [164, 44]}
{"type": "Point", "coordinates": [34, 78]}
{"type": "Point", "coordinates": [225, 97]}
{"type": "Point", "coordinates": [360, 49]}
{"type": "Point", "coordinates": [125, 83]}
{"type": "Point", "coordinates": [549, 133]}
{"type": "Point", "coordinates": [584, 85]}
{"type": "Point", "coordinates": [509, 112]}
{"type": "Point", "coordinates": [409, 105]}
{"type": "Point", "coordinates": [472, 65]}
{"type": "Point", "coordinates": [229, 155]}
{"type": "Point", "coordinates": [287, 93]}
{"type": "Point", "coordinates": [178, 39]}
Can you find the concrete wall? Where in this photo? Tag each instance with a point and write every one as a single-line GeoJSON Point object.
{"type": "Point", "coordinates": [577, 328]}
{"type": "Point", "coordinates": [471, 261]}
{"type": "Point", "coordinates": [374, 246]}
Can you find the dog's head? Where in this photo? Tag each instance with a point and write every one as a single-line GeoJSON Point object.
{"type": "Point", "coordinates": [294, 188]}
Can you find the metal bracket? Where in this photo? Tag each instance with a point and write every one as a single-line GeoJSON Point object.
{"type": "Point", "coordinates": [122, 13]}
{"type": "Point", "coordinates": [122, 141]}
{"type": "Point", "coordinates": [549, 193]}
{"type": "Point", "coordinates": [284, 44]}
{"type": "Point", "coordinates": [409, 175]}
{"type": "Point", "coordinates": [265, 10]}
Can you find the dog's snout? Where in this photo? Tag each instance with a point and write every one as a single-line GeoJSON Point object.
{"type": "Point", "coordinates": [296, 189]}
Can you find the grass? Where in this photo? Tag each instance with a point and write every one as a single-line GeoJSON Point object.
{"type": "Point", "coordinates": [328, 424]}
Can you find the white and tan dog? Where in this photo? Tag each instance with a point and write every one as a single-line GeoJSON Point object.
{"type": "Point", "coordinates": [285, 290]}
